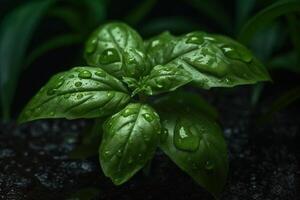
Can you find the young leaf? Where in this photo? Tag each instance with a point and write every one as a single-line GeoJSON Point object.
{"type": "Point", "coordinates": [213, 60]}
{"type": "Point", "coordinates": [82, 92]}
{"type": "Point", "coordinates": [129, 142]}
{"type": "Point", "coordinates": [265, 16]}
{"type": "Point", "coordinates": [165, 79]}
{"type": "Point", "coordinates": [116, 46]}
{"type": "Point", "coordinates": [15, 32]}
{"type": "Point", "coordinates": [195, 143]}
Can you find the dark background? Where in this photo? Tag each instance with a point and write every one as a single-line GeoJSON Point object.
{"type": "Point", "coordinates": [260, 122]}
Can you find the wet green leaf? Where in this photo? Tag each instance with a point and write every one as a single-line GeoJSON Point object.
{"type": "Point", "coordinates": [82, 92]}
{"type": "Point", "coordinates": [118, 49]}
{"type": "Point", "coordinates": [16, 29]}
{"type": "Point", "coordinates": [164, 79]}
{"type": "Point", "coordinates": [195, 143]}
{"type": "Point", "coordinates": [212, 60]}
{"type": "Point", "coordinates": [129, 141]}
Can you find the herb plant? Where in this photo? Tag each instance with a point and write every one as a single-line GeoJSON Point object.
{"type": "Point", "coordinates": [124, 73]}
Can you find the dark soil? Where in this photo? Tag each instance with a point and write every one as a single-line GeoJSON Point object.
{"type": "Point", "coordinates": [264, 159]}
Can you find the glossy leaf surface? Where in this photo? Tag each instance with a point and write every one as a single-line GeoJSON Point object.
{"type": "Point", "coordinates": [118, 49]}
{"type": "Point", "coordinates": [165, 79]}
{"type": "Point", "coordinates": [82, 92]}
{"type": "Point", "coordinates": [213, 60]}
{"type": "Point", "coordinates": [195, 143]}
{"type": "Point", "coordinates": [130, 139]}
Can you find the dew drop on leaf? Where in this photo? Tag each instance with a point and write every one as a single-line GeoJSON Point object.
{"type": "Point", "coordinates": [100, 74]}
{"type": "Point", "coordinates": [119, 153]}
{"type": "Point", "coordinates": [85, 74]}
{"type": "Point", "coordinates": [209, 165]}
{"type": "Point", "coordinates": [238, 54]}
{"type": "Point", "coordinates": [195, 40]}
{"type": "Point", "coordinates": [109, 94]}
{"type": "Point", "coordinates": [185, 140]}
{"type": "Point", "coordinates": [59, 84]}
{"type": "Point", "coordinates": [164, 134]}
{"type": "Point", "coordinates": [78, 84]}
{"type": "Point", "coordinates": [127, 112]}
{"type": "Point", "coordinates": [148, 117]}
{"type": "Point", "coordinates": [91, 46]}
{"type": "Point", "coordinates": [51, 92]}
{"type": "Point", "coordinates": [79, 96]}
{"type": "Point", "coordinates": [109, 56]}
{"type": "Point", "coordinates": [66, 96]}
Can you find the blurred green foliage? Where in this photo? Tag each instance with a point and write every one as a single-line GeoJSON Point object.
{"type": "Point", "coordinates": [270, 28]}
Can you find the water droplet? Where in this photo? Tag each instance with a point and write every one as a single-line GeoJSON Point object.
{"type": "Point", "coordinates": [66, 96]}
{"type": "Point", "coordinates": [209, 165]}
{"type": "Point", "coordinates": [154, 43]}
{"type": "Point", "coordinates": [106, 154]}
{"type": "Point", "coordinates": [59, 84]}
{"type": "Point", "coordinates": [195, 40]}
{"type": "Point", "coordinates": [78, 84]}
{"type": "Point", "coordinates": [85, 74]}
{"type": "Point", "coordinates": [164, 134]}
{"type": "Point", "coordinates": [109, 94]}
{"type": "Point", "coordinates": [79, 96]}
{"type": "Point", "coordinates": [128, 111]}
{"type": "Point", "coordinates": [109, 56]}
{"type": "Point", "coordinates": [119, 153]}
{"type": "Point", "coordinates": [185, 140]}
{"type": "Point", "coordinates": [100, 73]}
{"type": "Point", "coordinates": [51, 92]}
{"type": "Point", "coordinates": [92, 45]}
{"type": "Point", "coordinates": [237, 53]}
{"type": "Point", "coordinates": [148, 117]}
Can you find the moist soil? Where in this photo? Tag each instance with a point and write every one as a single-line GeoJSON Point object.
{"type": "Point", "coordinates": [264, 158]}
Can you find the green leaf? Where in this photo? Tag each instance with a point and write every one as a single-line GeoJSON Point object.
{"type": "Point", "coordinates": [129, 142]}
{"type": "Point", "coordinates": [82, 92]}
{"type": "Point", "coordinates": [213, 60]}
{"type": "Point", "coordinates": [195, 143]}
{"type": "Point", "coordinates": [16, 30]}
{"type": "Point", "coordinates": [118, 49]}
{"type": "Point", "coordinates": [266, 16]}
{"type": "Point", "coordinates": [164, 79]}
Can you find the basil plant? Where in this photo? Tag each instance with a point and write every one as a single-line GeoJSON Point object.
{"type": "Point", "coordinates": [119, 83]}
